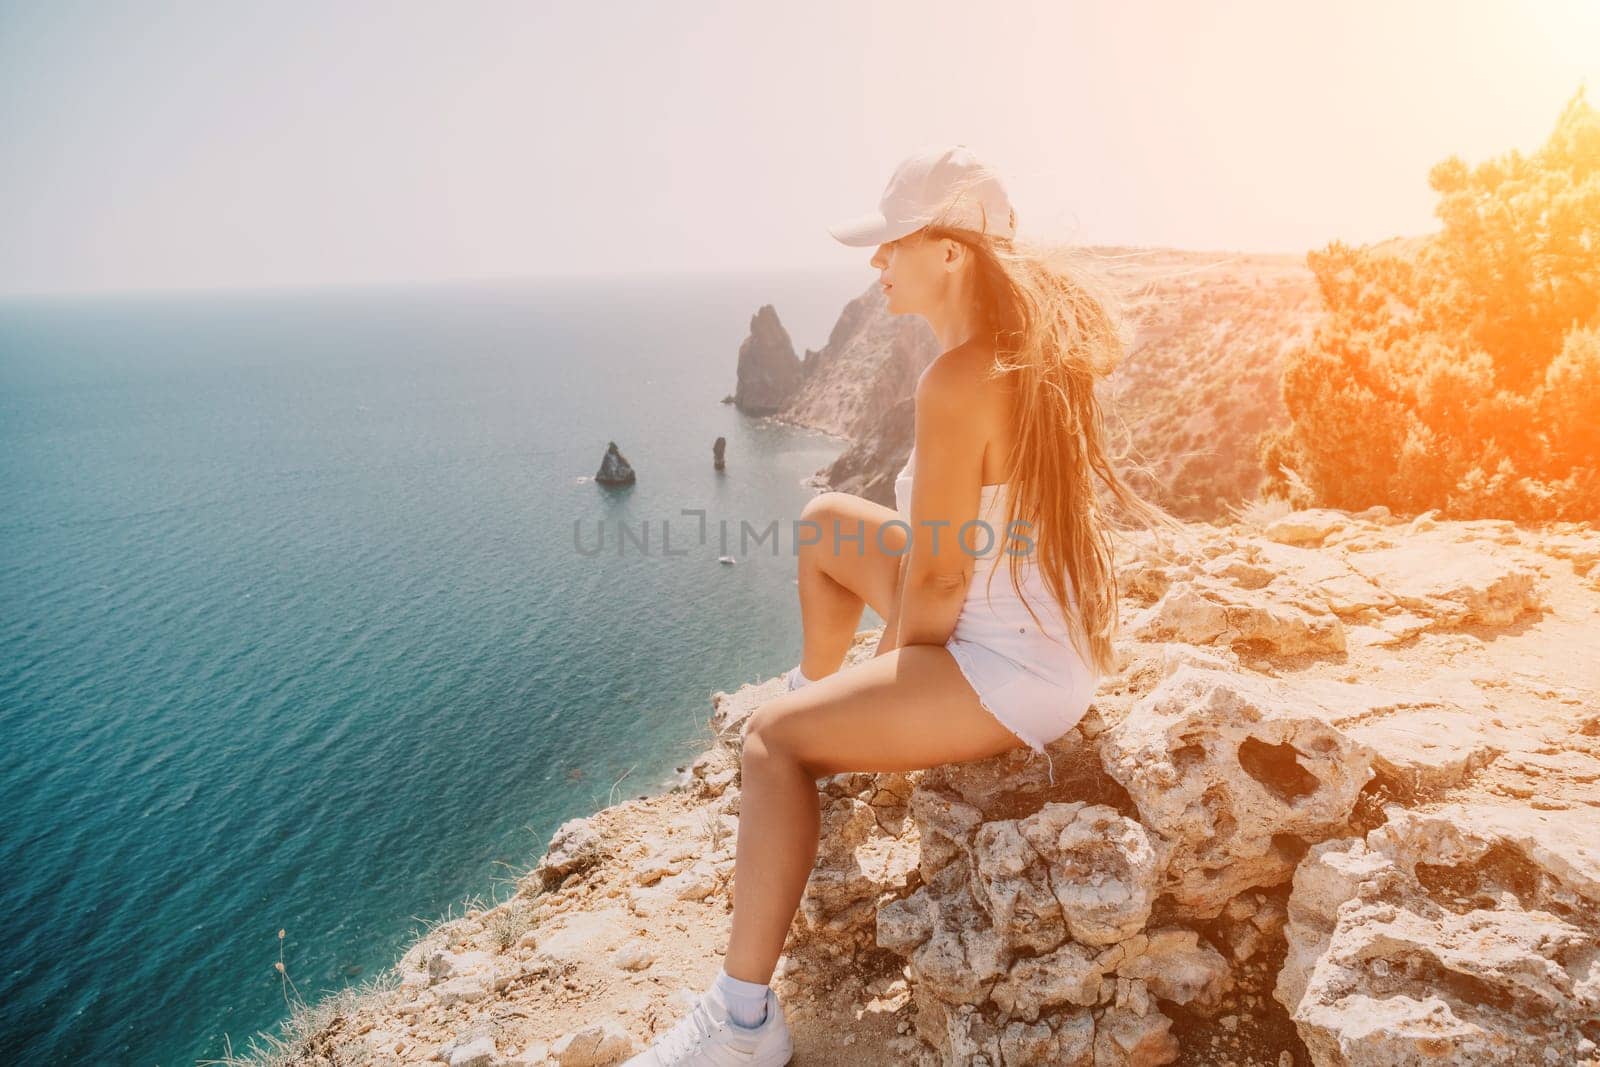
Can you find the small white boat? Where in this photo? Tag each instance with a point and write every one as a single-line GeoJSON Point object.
{"type": "Point", "coordinates": [726, 559]}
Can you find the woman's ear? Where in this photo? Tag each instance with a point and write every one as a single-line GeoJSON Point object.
{"type": "Point", "coordinates": [954, 254]}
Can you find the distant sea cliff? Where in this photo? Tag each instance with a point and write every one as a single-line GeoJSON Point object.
{"type": "Point", "coordinates": [1210, 332]}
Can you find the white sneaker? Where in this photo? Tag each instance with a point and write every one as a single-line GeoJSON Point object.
{"type": "Point", "coordinates": [707, 1037]}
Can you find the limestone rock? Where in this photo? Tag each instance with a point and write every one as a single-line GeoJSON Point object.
{"type": "Point", "coordinates": [1123, 1038]}
{"type": "Point", "coordinates": [1234, 774]}
{"type": "Point", "coordinates": [636, 955]}
{"type": "Point", "coordinates": [444, 965]}
{"type": "Point", "coordinates": [1072, 974]}
{"type": "Point", "coordinates": [1315, 576]}
{"type": "Point", "coordinates": [1576, 542]}
{"type": "Point", "coordinates": [569, 938]}
{"type": "Point", "coordinates": [574, 847]}
{"type": "Point", "coordinates": [1068, 869]}
{"type": "Point", "coordinates": [714, 770]}
{"type": "Point", "coordinates": [1309, 526]}
{"type": "Point", "coordinates": [769, 372]}
{"type": "Point", "coordinates": [468, 988]}
{"type": "Point", "coordinates": [535, 1054]}
{"type": "Point", "coordinates": [1250, 921]}
{"type": "Point", "coordinates": [1210, 611]}
{"type": "Point", "coordinates": [1175, 654]}
{"type": "Point", "coordinates": [479, 1052]}
{"type": "Point", "coordinates": [1015, 936]}
{"type": "Point", "coordinates": [1469, 933]}
{"type": "Point", "coordinates": [475, 1048]}
{"type": "Point", "coordinates": [599, 1044]}
{"type": "Point", "coordinates": [868, 854]}
{"type": "Point", "coordinates": [963, 954]}
{"type": "Point", "coordinates": [1451, 581]}
{"type": "Point", "coordinates": [972, 1039]}
{"type": "Point", "coordinates": [1425, 738]}
{"type": "Point", "coordinates": [662, 860]}
{"type": "Point", "coordinates": [614, 467]}
{"type": "Point", "coordinates": [1426, 750]}
{"type": "Point", "coordinates": [1177, 966]}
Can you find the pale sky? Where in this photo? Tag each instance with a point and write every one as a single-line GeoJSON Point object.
{"type": "Point", "coordinates": [228, 144]}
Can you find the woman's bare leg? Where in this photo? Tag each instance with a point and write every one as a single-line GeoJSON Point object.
{"type": "Point", "coordinates": [906, 709]}
{"type": "Point", "coordinates": [843, 572]}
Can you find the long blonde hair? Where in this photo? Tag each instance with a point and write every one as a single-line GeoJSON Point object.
{"type": "Point", "coordinates": [1056, 323]}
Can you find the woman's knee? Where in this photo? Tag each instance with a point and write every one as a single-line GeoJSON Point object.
{"type": "Point", "coordinates": [828, 526]}
{"type": "Point", "coordinates": [823, 506]}
{"type": "Point", "coordinates": [820, 514]}
{"type": "Point", "coordinates": [760, 731]}
{"type": "Point", "coordinates": [770, 733]}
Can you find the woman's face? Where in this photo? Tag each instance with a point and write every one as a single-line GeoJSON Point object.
{"type": "Point", "coordinates": [915, 272]}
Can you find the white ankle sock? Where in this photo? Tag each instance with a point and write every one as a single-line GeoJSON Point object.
{"type": "Point", "coordinates": [747, 1001]}
{"type": "Point", "coordinates": [797, 678]}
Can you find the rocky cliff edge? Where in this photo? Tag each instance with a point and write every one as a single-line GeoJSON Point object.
{"type": "Point", "coordinates": [1340, 805]}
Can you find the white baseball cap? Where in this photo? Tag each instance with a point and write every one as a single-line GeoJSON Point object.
{"type": "Point", "coordinates": [939, 183]}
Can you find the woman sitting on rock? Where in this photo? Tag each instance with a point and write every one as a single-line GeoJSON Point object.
{"type": "Point", "coordinates": [975, 659]}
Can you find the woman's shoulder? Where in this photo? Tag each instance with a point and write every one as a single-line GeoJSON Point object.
{"type": "Point", "coordinates": [959, 370]}
{"type": "Point", "coordinates": [962, 381]}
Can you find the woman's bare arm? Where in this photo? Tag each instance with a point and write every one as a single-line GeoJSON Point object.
{"type": "Point", "coordinates": [946, 490]}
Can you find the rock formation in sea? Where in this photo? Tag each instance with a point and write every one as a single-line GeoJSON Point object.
{"type": "Point", "coordinates": [1338, 805]}
{"type": "Point", "coordinates": [614, 468]}
{"type": "Point", "coordinates": [768, 370]}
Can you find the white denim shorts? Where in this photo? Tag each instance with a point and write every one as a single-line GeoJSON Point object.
{"type": "Point", "coordinates": [1038, 708]}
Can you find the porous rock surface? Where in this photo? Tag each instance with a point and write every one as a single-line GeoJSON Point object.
{"type": "Point", "coordinates": [1470, 929]}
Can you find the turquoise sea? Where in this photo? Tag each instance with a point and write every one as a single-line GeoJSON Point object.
{"type": "Point", "coordinates": [295, 632]}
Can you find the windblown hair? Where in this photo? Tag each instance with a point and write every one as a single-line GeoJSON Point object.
{"type": "Point", "coordinates": [1056, 323]}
